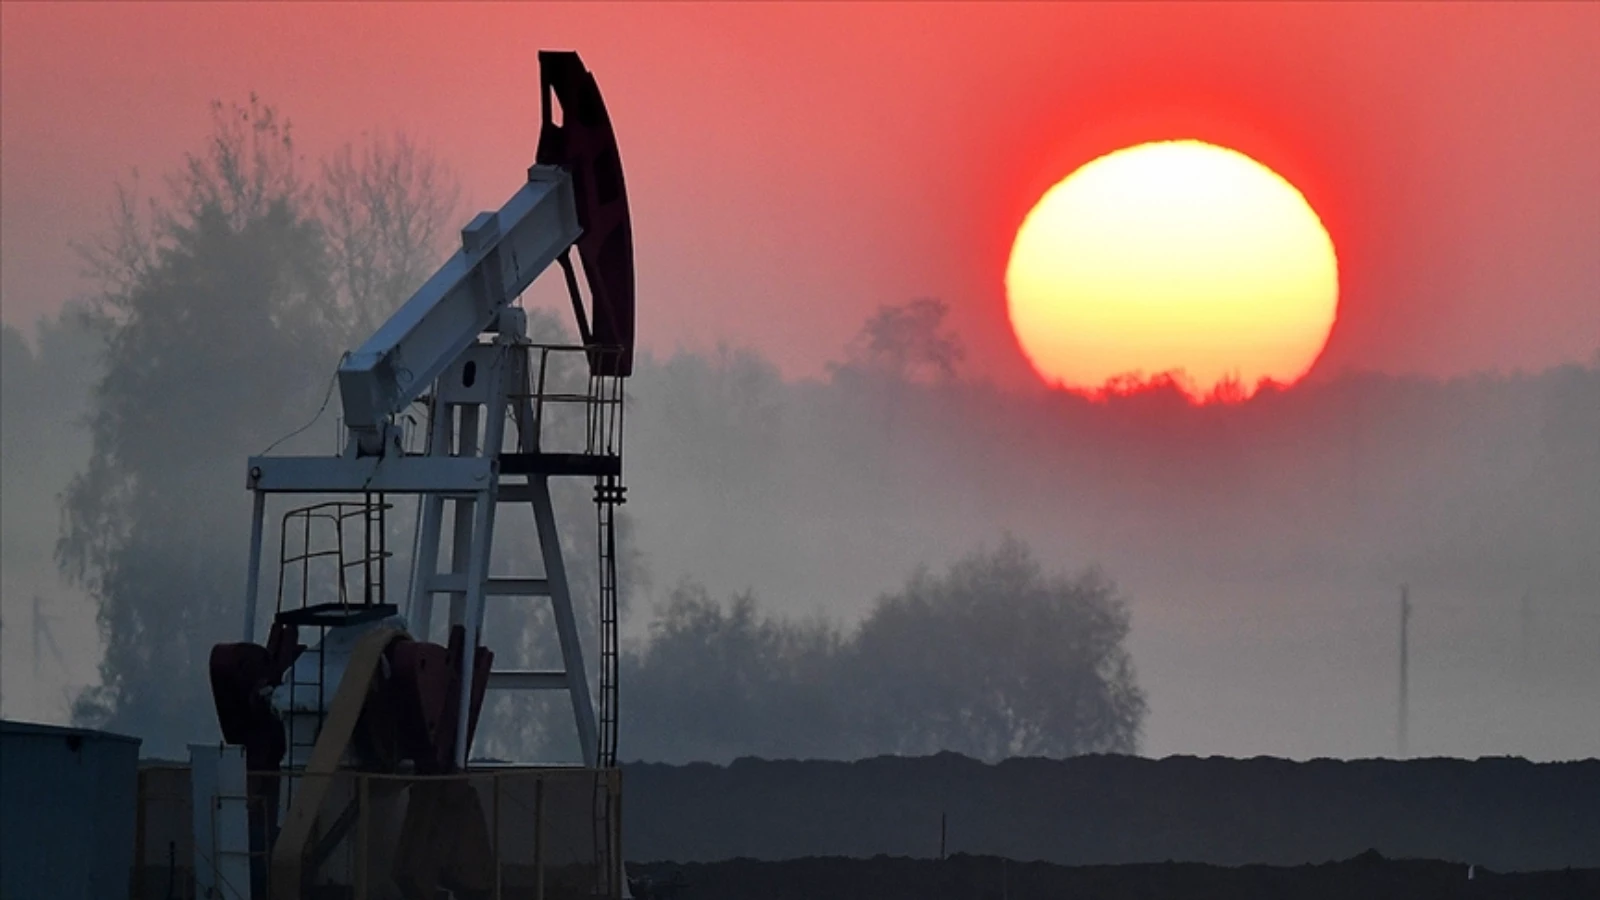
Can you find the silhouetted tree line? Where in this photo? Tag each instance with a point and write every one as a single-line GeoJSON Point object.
{"type": "Point", "coordinates": [1489, 480]}
{"type": "Point", "coordinates": [221, 311]}
{"type": "Point", "coordinates": [993, 657]}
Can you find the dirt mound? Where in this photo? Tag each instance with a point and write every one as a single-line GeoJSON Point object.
{"type": "Point", "coordinates": [1367, 876]}
{"type": "Point", "coordinates": [1503, 814]}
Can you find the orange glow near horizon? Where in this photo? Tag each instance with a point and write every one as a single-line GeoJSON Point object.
{"type": "Point", "coordinates": [1175, 258]}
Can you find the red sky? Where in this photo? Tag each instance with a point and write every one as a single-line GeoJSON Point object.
{"type": "Point", "coordinates": [792, 166]}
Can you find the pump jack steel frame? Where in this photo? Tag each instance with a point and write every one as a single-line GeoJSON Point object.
{"type": "Point", "coordinates": [460, 345]}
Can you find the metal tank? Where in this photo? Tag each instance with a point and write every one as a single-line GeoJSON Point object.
{"type": "Point", "coordinates": [67, 811]}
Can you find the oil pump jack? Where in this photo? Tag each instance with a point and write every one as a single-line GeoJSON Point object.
{"type": "Point", "coordinates": [350, 683]}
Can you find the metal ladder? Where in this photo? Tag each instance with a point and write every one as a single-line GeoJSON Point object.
{"type": "Point", "coordinates": [609, 494]}
{"type": "Point", "coordinates": [305, 718]}
{"type": "Point", "coordinates": [299, 742]}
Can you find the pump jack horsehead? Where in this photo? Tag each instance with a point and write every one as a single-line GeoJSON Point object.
{"type": "Point", "coordinates": [372, 692]}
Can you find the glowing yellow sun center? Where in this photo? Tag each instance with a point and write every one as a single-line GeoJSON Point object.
{"type": "Point", "coordinates": [1169, 258]}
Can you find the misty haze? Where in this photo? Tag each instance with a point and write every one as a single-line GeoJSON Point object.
{"type": "Point", "coordinates": [1259, 546]}
{"type": "Point", "coordinates": [949, 450]}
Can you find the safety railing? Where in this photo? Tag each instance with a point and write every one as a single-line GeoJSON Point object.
{"type": "Point", "coordinates": [577, 410]}
{"type": "Point", "coordinates": [312, 557]}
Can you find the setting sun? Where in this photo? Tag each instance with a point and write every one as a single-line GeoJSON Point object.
{"type": "Point", "coordinates": [1178, 258]}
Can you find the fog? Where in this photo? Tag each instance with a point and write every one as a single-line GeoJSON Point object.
{"type": "Point", "coordinates": [1251, 551]}
{"type": "Point", "coordinates": [1261, 544]}
{"type": "Point", "coordinates": [44, 390]}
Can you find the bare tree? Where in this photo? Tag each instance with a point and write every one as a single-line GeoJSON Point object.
{"type": "Point", "coordinates": [389, 207]}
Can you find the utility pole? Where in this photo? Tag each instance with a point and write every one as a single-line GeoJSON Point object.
{"type": "Point", "coordinates": [1527, 630]}
{"type": "Point", "coordinates": [1405, 622]}
{"type": "Point", "coordinates": [38, 630]}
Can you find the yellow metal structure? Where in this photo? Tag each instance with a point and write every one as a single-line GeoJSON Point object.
{"type": "Point", "coordinates": [288, 852]}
